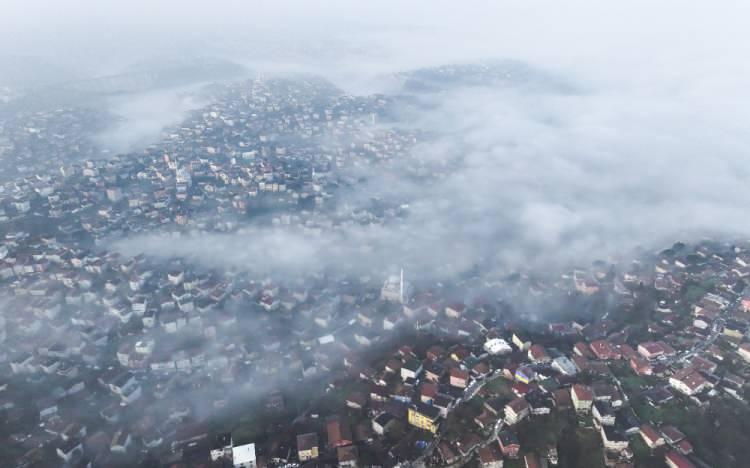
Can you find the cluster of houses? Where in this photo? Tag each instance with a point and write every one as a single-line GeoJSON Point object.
{"type": "Point", "coordinates": [416, 387]}
{"type": "Point", "coordinates": [118, 334]}
{"type": "Point", "coordinates": [144, 344]}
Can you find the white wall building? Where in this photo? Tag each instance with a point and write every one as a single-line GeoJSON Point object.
{"type": "Point", "coordinates": [497, 346]}
{"type": "Point", "coordinates": [243, 456]}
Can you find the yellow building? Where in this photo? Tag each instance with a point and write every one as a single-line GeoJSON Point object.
{"type": "Point", "coordinates": [307, 446]}
{"type": "Point", "coordinates": [424, 417]}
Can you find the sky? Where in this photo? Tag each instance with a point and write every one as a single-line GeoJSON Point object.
{"type": "Point", "coordinates": [602, 39]}
{"type": "Point", "coordinates": [650, 148]}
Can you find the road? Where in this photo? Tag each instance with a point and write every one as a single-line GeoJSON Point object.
{"type": "Point", "coordinates": [701, 346]}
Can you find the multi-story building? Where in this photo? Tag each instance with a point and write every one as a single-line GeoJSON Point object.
{"type": "Point", "coordinates": [424, 417]}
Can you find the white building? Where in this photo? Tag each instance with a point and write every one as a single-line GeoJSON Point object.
{"type": "Point", "coordinates": [114, 194]}
{"type": "Point", "coordinates": [395, 289]}
{"type": "Point", "coordinates": [243, 456]}
{"type": "Point", "coordinates": [497, 346]}
{"type": "Point", "coordinates": [564, 366]}
{"type": "Point", "coordinates": [688, 381]}
{"type": "Point", "coordinates": [121, 442]}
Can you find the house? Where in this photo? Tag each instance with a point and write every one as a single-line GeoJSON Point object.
{"type": "Point", "coordinates": [733, 380]}
{"type": "Point", "coordinates": [131, 394]}
{"type": "Point", "coordinates": [69, 450]}
{"type": "Point", "coordinates": [187, 433]}
{"type": "Point", "coordinates": [395, 289]}
{"type": "Point", "coordinates": [650, 350]}
{"type": "Point", "coordinates": [393, 366]}
{"type": "Point", "coordinates": [347, 456]}
{"type": "Point", "coordinates": [459, 353]}
{"type": "Point", "coordinates": [339, 433]}
{"type": "Point", "coordinates": [424, 417]}
{"type": "Point", "coordinates": [382, 423]}
{"type": "Point", "coordinates": [454, 310]}
{"type": "Point", "coordinates": [403, 392]}
{"type": "Point", "coordinates": [307, 446]}
{"type": "Point", "coordinates": [520, 388]}
{"type": "Point", "coordinates": [119, 383]}
{"type": "Point", "coordinates": [495, 405]}
{"type": "Point", "coordinates": [703, 365]}
{"type": "Point", "coordinates": [651, 436]}
{"type": "Point", "coordinates": [508, 442]}
{"type": "Point", "coordinates": [121, 441]}
{"type": "Point", "coordinates": [525, 374]}
{"type": "Point", "coordinates": [688, 381]}
{"type": "Point", "coordinates": [428, 391]}
{"type": "Point", "coordinates": [73, 430]}
{"type": "Point", "coordinates": [521, 342]}
{"type": "Point", "coordinates": [516, 410]}
{"type": "Point", "coordinates": [391, 321]}
{"type": "Point", "coordinates": [564, 365]}
{"type": "Point", "coordinates": [435, 352]}
{"type": "Point", "coordinates": [411, 369]}
{"type": "Point", "coordinates": [674, 459]}
{"type": "Point", "coordinates": [446, 453]}
{"type": "Point", "coordinates": [433, 371]}
{"type": "Point", "coordinates": [222, 447]}
{"type": "Point", "coordinates": [406, 352]}
{"type": "Point", "coordinates": [603, 413]}
{"type": "Point", "coordinates": [458, 377]}
{"type": "Point", "coordinates": [582, 350]}
{"type": "Point", "coordinates": [582, 397]}
{"type": "Point", "coordinates": [641, 366]}
{"type": "Point", "coordinates": [243, 456]}
{"type": "Point", "coordinates": [497, 346]}
{"type": "Point", "coordinates": [608, 392]}
{"type": "Point", "coordinates": [613, 439]}
{"type": "Point", "coordinates": [562, 399]}
{"type": "Point", "coordinates": [672, 435]}
{"type": "Point", "coordinates": [97, 443]}
{"type": "Point", "coordinates": [627, 421]}
{"type": "Point", "coordinates": [480, 370]}
{"type": "Point", "coordinates": [538, 354]}
{"type": "Point", "coordinates": [23, 363]}
{"type": "Point", "coordinates": [735, 329]}
{"type": "Point", "coordinates": [626, 351]}
{"type": "Point", "coordinates": [362, 433]}
{"type": "Point", "coordinates": [531, 460]}
{"type": "Point", "coordinates": [379, 393]}
{"type": "Point", "coordinates": [468, 442]}
{"type": "Point", "coordinates": [603, 350]}
{"type": "Point", "coordinates": [47, 408]}
{"type": "Point", "coordinates": [490, 457]}
{"type": "Point", "coordinates": [356, 400]}
{"type": "Point", "coordinates": [540, 402]}
{"type": "Point", "coordinates": [744, 351]}
{"type": "Point", "coordinates": [552, 455]}
{"type": "Point", "coordinates": [485, 419]}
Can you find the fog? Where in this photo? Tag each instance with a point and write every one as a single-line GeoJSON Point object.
{"type": "Point", "coordinates": [542, 178]}
{"type": "Point", "coordinates": [644, 145]}
{"type": "Point", "coordinates": [139, 119]}
{"type": "Point", "coordinates": [614, 127]}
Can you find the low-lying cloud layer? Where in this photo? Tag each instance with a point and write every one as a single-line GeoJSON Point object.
{"type": "Point", "coordinates": [538, 178]}
{"type": "Point", "coordinates": [140, 118]}
{"type": "Point", "coordinates": [649, 146]}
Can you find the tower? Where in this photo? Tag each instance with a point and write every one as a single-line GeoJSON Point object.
{"type": "Point", "coordinates": [401, 287]}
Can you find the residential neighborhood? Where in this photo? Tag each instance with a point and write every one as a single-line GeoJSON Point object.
{"type": "Point", "coordinates": [115, 358]}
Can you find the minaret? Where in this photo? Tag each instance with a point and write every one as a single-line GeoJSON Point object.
{"type": "Point", "coordinates": [401, 287]}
